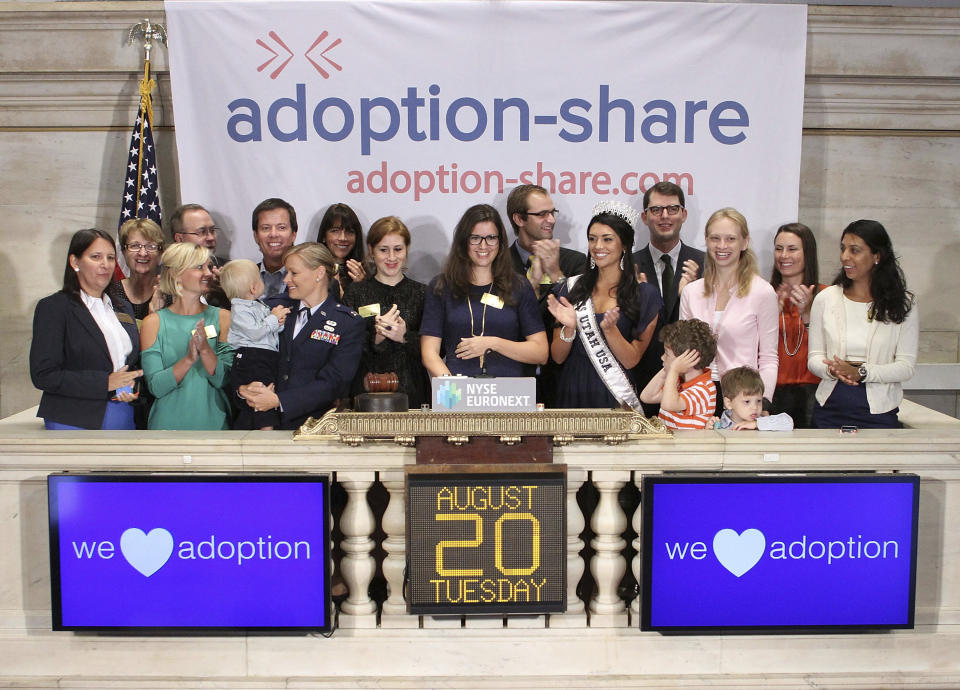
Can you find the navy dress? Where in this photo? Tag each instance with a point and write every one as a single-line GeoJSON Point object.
{"type": "Point", "coordinates": [449, 320]}
{"type": "Point", "coordinates": [580, 385]}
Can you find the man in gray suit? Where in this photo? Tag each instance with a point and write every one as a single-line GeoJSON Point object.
{"type": "Point", "coordinates": [658, 263]}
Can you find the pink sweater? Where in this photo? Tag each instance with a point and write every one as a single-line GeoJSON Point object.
{"type": "Point", "coordinates": [747, 330]}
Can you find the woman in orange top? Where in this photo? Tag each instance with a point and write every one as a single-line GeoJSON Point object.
{"type": "Point", "coordinates": [796, 279]}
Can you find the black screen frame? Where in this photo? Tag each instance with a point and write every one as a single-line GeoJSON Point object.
{"type": "Point", "coordinates": [54, 479]}
{"type": "Point", "coordinates": [442, 473]}
{"type": "Point", "coordinates": [648, 500]}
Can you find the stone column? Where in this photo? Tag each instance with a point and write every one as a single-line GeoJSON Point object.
{"type": "Point", "coordinates": [608, 564]}
{"type": "Point", "coordinates": [576, 616]}
{"type": "Point", "coordinates": [358, 565]}
{"type": "Point", "coordinates": [394, 613]}
{"type": "Point", "coordinates": [637, 563]}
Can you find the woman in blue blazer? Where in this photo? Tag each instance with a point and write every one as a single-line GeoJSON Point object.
{"type": "Point", "coordinates": [320, 345]}
{"type": "Point", "coordinates": [85, 353]}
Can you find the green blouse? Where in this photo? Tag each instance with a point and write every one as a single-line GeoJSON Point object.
{"type": "Point", "coordinates": [199, 400]}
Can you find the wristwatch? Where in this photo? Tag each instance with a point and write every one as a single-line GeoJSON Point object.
{"type": "Point", "coordinates": [862, 370]}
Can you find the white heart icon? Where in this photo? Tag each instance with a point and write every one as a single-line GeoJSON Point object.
{"type": "Point", "coordinates": [738, 552]}
{"type": "Point", "coordinates": [146, 552]}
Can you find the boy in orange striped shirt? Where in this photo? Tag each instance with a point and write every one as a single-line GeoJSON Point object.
{"type": "Point", "coordinates": [684, 388]}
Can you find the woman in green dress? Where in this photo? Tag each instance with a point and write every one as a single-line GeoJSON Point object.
{"type": "Point", "coordinates": [185, 355]}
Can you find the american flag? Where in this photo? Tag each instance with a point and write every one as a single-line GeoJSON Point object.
{"type": "Point", "coordinates": [141, 189]}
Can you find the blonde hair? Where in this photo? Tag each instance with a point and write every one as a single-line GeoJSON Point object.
{"type": "Point", "coordinates": [146, 227]}
{"type": "Point", "coordinates": [177, 258]}
{"type": "Point", "coordinates": [746, 267]}
{"type": "Point", "coordinates": [237, 277]}
{"type": "Point", "coordinates": [315, 255]}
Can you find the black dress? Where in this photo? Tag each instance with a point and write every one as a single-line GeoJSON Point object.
{"type": "Point", "coordinates": [389, 355]}
{"type": "Point", "coordinates": [140, 310]}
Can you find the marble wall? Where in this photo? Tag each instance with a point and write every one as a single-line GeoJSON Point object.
{"type": "Point", "coordinates": [881, 140]}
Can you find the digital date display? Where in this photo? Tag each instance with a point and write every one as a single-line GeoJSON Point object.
{"type": "Point", "coordinates": [487, 542]}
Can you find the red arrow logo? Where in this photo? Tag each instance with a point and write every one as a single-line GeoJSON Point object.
{"type": "Point", "coordinates": [278, 70]}
{"type": "Point", "coordinates": [323, 54]}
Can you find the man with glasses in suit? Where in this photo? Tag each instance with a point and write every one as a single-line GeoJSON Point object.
{"type": "Point", "coordinates": [538, 256]}
{"type": "Point", "coordinates": [666, 262]}
{"type": "Point", "coordinates": [192, 223]}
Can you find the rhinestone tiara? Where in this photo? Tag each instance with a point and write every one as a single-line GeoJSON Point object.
{"type": "Point", "coordinates": [618, 208]}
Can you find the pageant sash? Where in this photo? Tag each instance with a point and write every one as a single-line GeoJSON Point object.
{"type": "Point", "coordinates": [600, 355]}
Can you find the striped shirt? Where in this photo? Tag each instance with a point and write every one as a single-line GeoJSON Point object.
{"type": "Point", "coordinates": [699, 396]}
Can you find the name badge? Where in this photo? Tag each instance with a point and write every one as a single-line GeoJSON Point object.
{"type": "Point", "coordinates": [369, 310]}
{"type": "Point", "coordinates": [491, 300]}
{"type": "Point", "coordinates": [124, 318]}
{"type": "Point", "coordinates": [210, 330]}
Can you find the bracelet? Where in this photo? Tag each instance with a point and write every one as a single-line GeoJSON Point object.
{"type": "Point", "coordinates": [572, 336]}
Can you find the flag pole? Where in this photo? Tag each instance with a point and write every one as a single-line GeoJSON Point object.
{"type": "Point", "coordinates": [141, 191]}
{"type": "Point", "coordinates": [146, 31]}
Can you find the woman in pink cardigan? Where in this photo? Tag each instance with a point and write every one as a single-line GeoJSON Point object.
{"type": "Point", "coordinates": [739, 305]}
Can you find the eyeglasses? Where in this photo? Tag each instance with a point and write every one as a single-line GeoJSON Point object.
{"type": "Point", "coordinates": [672, 209]}
{"type": "Point", "coordinates": [543, 214]}
{"type": "Point", "coordinates": [491, 240]}
{"type": "Point", "coordinates": [202, 232]}
{"type": "Point", "coordinates": [135, 247]}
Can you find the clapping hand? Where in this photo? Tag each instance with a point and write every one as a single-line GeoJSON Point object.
{"type": "Point", "coordinates": [562, 311]}
{"type": "Point", "coordinates": [688, 274]}
{"type": "Point", "coordinates": [158, 300]}
{"type": "Point", "coordinates": [610, 319]}
{"type": "Point", "coordinates": [355, 270]}
{"type": "Point", "coordinates": [199, 338]}
{"type": "Point", "coordinates": [546, 258]}
{"type": "Point", "coordinates": [390, 326]}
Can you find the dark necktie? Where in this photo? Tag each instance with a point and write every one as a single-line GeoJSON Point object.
{"type": "Point", "coordinates": [303, 315]}
{"type": "Point", "coordinates": [666, 283]}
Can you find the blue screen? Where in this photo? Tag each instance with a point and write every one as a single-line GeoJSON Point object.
{"type": "Point", "coordinates": [187, 553]}
{"type": "Point", "coordinates": [721, 553]}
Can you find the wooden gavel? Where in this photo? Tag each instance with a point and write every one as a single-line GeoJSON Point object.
{"type": "Point", "coordinates": [387, 382]}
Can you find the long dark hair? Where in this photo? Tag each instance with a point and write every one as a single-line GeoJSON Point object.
{"type": "Point", "coordinates": [888, 287]}
{"type": "Point", "coordinates": [628, 289]}
{"type": "Point", "coordinates": [811, 268]}
{"type": "Point", "coordinates": [348, 221]}
{"type": "Point", "coordinates": [79, 243]}
{"type": "Point", "coordinates": [458, 269]}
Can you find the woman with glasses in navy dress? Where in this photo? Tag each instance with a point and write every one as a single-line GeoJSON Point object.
{"type": "Point", "coordinates": [479, 316]}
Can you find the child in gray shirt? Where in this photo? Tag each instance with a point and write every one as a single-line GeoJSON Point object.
{"type": "Point", "coordinates": [255, 336]}
{"type": "Point", "coordinates": [743, 402]}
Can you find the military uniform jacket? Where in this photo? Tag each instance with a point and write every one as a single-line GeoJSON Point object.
{"type": "Point", "coordinates": [318, 365]}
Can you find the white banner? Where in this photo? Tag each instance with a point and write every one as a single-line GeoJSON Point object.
{"type": "Point", "coordinates": [422, 109]}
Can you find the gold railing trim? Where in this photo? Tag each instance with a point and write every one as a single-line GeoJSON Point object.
{"type": "Point", "coordinates": [565, 426]}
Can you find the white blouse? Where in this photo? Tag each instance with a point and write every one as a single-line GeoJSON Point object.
{"type": "Point", "coordinates": [118, 342]}
{"type": "Point", "coordinates": [858, 327]}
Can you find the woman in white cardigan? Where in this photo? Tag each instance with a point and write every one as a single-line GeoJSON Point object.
{"type": "Point", "coordinates": [863, 334]}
